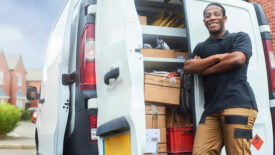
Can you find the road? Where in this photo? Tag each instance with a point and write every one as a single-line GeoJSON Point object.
{"type": "Point", "coordinates": [17, 152]}
{"type": "Point", "coordinates": [23, 135]}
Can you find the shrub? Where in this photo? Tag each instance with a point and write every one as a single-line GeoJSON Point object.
{"type": "Point", "coordinates": [26, 115]}
{"type": "Point", "coordinates": [9, 118]}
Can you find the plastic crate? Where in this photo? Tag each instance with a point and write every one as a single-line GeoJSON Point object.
{"type": "Point", "coordinates": [179, 140]}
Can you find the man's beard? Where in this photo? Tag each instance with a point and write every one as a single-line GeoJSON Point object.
{"type": "Point", "coordinates": [214, 33]}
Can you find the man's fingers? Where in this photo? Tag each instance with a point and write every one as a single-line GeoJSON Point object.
{"type": "Point", "coordinates": [197, 57]}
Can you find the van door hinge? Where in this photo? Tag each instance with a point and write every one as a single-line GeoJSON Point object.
{"type": "Point", "coordinates": [91, 9]}
{"type": "Point", "coordinates": [68, 79]}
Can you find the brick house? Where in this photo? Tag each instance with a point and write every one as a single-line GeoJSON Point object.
{"type": "Point", "coordinates": [4, 79]}
{"type": "Point", "coordinates": [17, 84]}
{"type": "Point", "coordinates": [269, 9]}
{"type": "Point", "coordinates": [33, 78]}
{"type": "Point", "coordinates": [12, 80]}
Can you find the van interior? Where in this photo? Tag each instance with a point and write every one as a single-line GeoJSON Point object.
{"type": "Point", "coordinates": [167, 88]}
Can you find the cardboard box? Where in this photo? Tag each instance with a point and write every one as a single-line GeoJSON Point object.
{"type": "Point", "coordinates": [156, 135]}
{"type": "Point", "coordinates": [157, 53]}
{"type": "Point", "coordinates": [154, 141]}
{"type": "Point", "coordinates": [159, 153]}
{"type": "Point", "coordinates": [143, 20]}
{"type": "Point", "coordinates": [162, 148]}
{"type": "Point", "coordinates": [155, 121]}
{"type": "Point", "coordinates": [161, 53]}
{"type": "Point", "coordinates": [158, 109]}
{"type": "Point", "coordinates": [163, 135]}
{"type": "Point", "coordinates": [162, 90]}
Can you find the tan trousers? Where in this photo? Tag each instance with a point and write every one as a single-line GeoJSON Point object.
{"type": "Point", "coordinates": [231, 127]}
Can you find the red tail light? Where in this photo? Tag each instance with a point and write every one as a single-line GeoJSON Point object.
{"type": "Point", "coordinates": [87, 77]}
{"type": "Point", "coordinates": [270, 65]}
{"type": "Point", "coordinates": [93, 127]}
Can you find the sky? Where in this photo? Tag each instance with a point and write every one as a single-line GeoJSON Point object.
{"type": "Point", "coordinates": [25, 26]}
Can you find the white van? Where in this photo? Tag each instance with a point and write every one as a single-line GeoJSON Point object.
{"type": "Point", "coordinates": [94, 73]}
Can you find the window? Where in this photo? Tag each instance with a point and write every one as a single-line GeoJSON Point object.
{"type": "Point", "coordinates": [1, 78]}
{"type": "Point", "coordinates": [19, 80]}
{"type": "Point", "coordinates": [20, 103]}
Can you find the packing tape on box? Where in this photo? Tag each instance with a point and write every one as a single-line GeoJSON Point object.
{"type": "Point", "coordinates": [154, 116]}
{"type": "Point", "coordinates": [154, 109]}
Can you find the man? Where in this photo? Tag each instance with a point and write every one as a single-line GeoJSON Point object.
{"type": "Point", "coordinates": [230, 106]}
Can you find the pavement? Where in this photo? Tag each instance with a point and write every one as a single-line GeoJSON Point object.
{"type": "Point", "coordinates": [22, 137]}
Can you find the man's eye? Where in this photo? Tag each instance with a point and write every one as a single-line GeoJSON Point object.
{"type": "Point", "coordinates": [217, 14]}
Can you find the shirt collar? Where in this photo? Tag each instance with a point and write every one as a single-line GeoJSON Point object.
{"type": "Point", "coordinates": [226, 34]}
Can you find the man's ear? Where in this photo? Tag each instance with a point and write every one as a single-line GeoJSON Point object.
{"type": "Point", "coordinates": [224, 19]}
{"type": "Point", "coordinates": [204, 22]}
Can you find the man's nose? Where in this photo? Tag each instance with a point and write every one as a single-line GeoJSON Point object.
{"type": "Point", "coordinates": [212, 17]}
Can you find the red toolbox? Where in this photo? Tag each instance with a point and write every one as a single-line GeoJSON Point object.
{"type": "Point", "coordinates": [179, 140]}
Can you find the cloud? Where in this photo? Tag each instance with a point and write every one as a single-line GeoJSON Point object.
{"type": "Point", "coordinates": [25, 27]}
{"type": "Point", "coordinates": [13, 40]}
{"type": "Point", "coordinates": [9, 34]}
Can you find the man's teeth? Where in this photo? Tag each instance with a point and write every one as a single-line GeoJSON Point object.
{"type": "Point", "coordinates": [213, 24]}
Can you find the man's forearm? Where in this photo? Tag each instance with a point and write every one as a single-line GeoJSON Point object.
{"type": "Point", "coordinates": [229, 63]}
{"type": "Point", "coordinates": [199, 65]}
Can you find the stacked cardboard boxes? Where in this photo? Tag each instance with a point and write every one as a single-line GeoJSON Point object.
{"type": "Point", "coordinates": [160, 91]}
{"type": "Point", "coordinates": [156, 128]}
{"type": "Point", "coordinates": [162, 97]}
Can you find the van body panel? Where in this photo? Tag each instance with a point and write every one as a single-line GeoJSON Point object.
{"type": "Point", "coordinates": [72, 65]}
{"type": "Point", "coordinates": [54, 111]}
{"type": "Point", "coordinates": [235, 23]}
{"type": "Point", "coordinates": [78, 132]}
{"type": "Point", "coordinates": [118, 37]}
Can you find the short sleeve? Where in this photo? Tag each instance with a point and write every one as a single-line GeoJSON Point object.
{"type": "Point", "coordinates": [242, 43]}
{"type": "Point", "coordinates": [195, 52]}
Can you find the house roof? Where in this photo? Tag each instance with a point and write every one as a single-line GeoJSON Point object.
{"type": "Point", "coordinates": [12, 60]}
{"type": "Point", "coordinates": [3, 94]}
{"type": "Point", "coordinates": [34, 75]}
{"type": "Point", "coordinates": [19, 93]}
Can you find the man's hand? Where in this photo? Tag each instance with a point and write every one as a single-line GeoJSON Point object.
{"type": "Point", "coordinates": [197, 57]}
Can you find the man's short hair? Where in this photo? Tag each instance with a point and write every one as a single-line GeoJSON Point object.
{"type": "Point", "coordinates": [216, 4]}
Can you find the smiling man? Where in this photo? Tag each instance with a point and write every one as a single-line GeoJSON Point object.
{"type": "Point", "coordinates": [230, 106]}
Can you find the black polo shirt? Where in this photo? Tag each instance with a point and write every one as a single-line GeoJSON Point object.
{"type": "Point", "coordinates": [229, 89]}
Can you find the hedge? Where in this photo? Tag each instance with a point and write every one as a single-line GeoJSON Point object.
{"type": "Point", "coordinates": [9, 118]}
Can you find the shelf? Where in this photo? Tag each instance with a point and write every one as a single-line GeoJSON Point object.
{"type": "Point", "coordinates": [164, 31]}
{"type": "Point", "coordinates": [174, 37]}
{"type": "Point", "coordinates": [177, 2]}
{"type": "Point", "coordinates": [173, 4]}
{"type": "Point", "coordinates": [164, 64]}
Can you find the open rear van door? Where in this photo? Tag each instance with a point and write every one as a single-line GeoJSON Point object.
{"type": "Point", "coordinates": [241, 17]}
{"type": "Point", "coordinates": [119, 74]}
{"type": "Point", "coordinates": [53, 108]}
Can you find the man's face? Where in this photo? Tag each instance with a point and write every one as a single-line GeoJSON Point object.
{"type": "Point", "coordinates": [214, 19]}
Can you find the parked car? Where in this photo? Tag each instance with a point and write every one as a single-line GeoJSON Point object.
{"type": "Point", "coordinates": [34, 116]}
